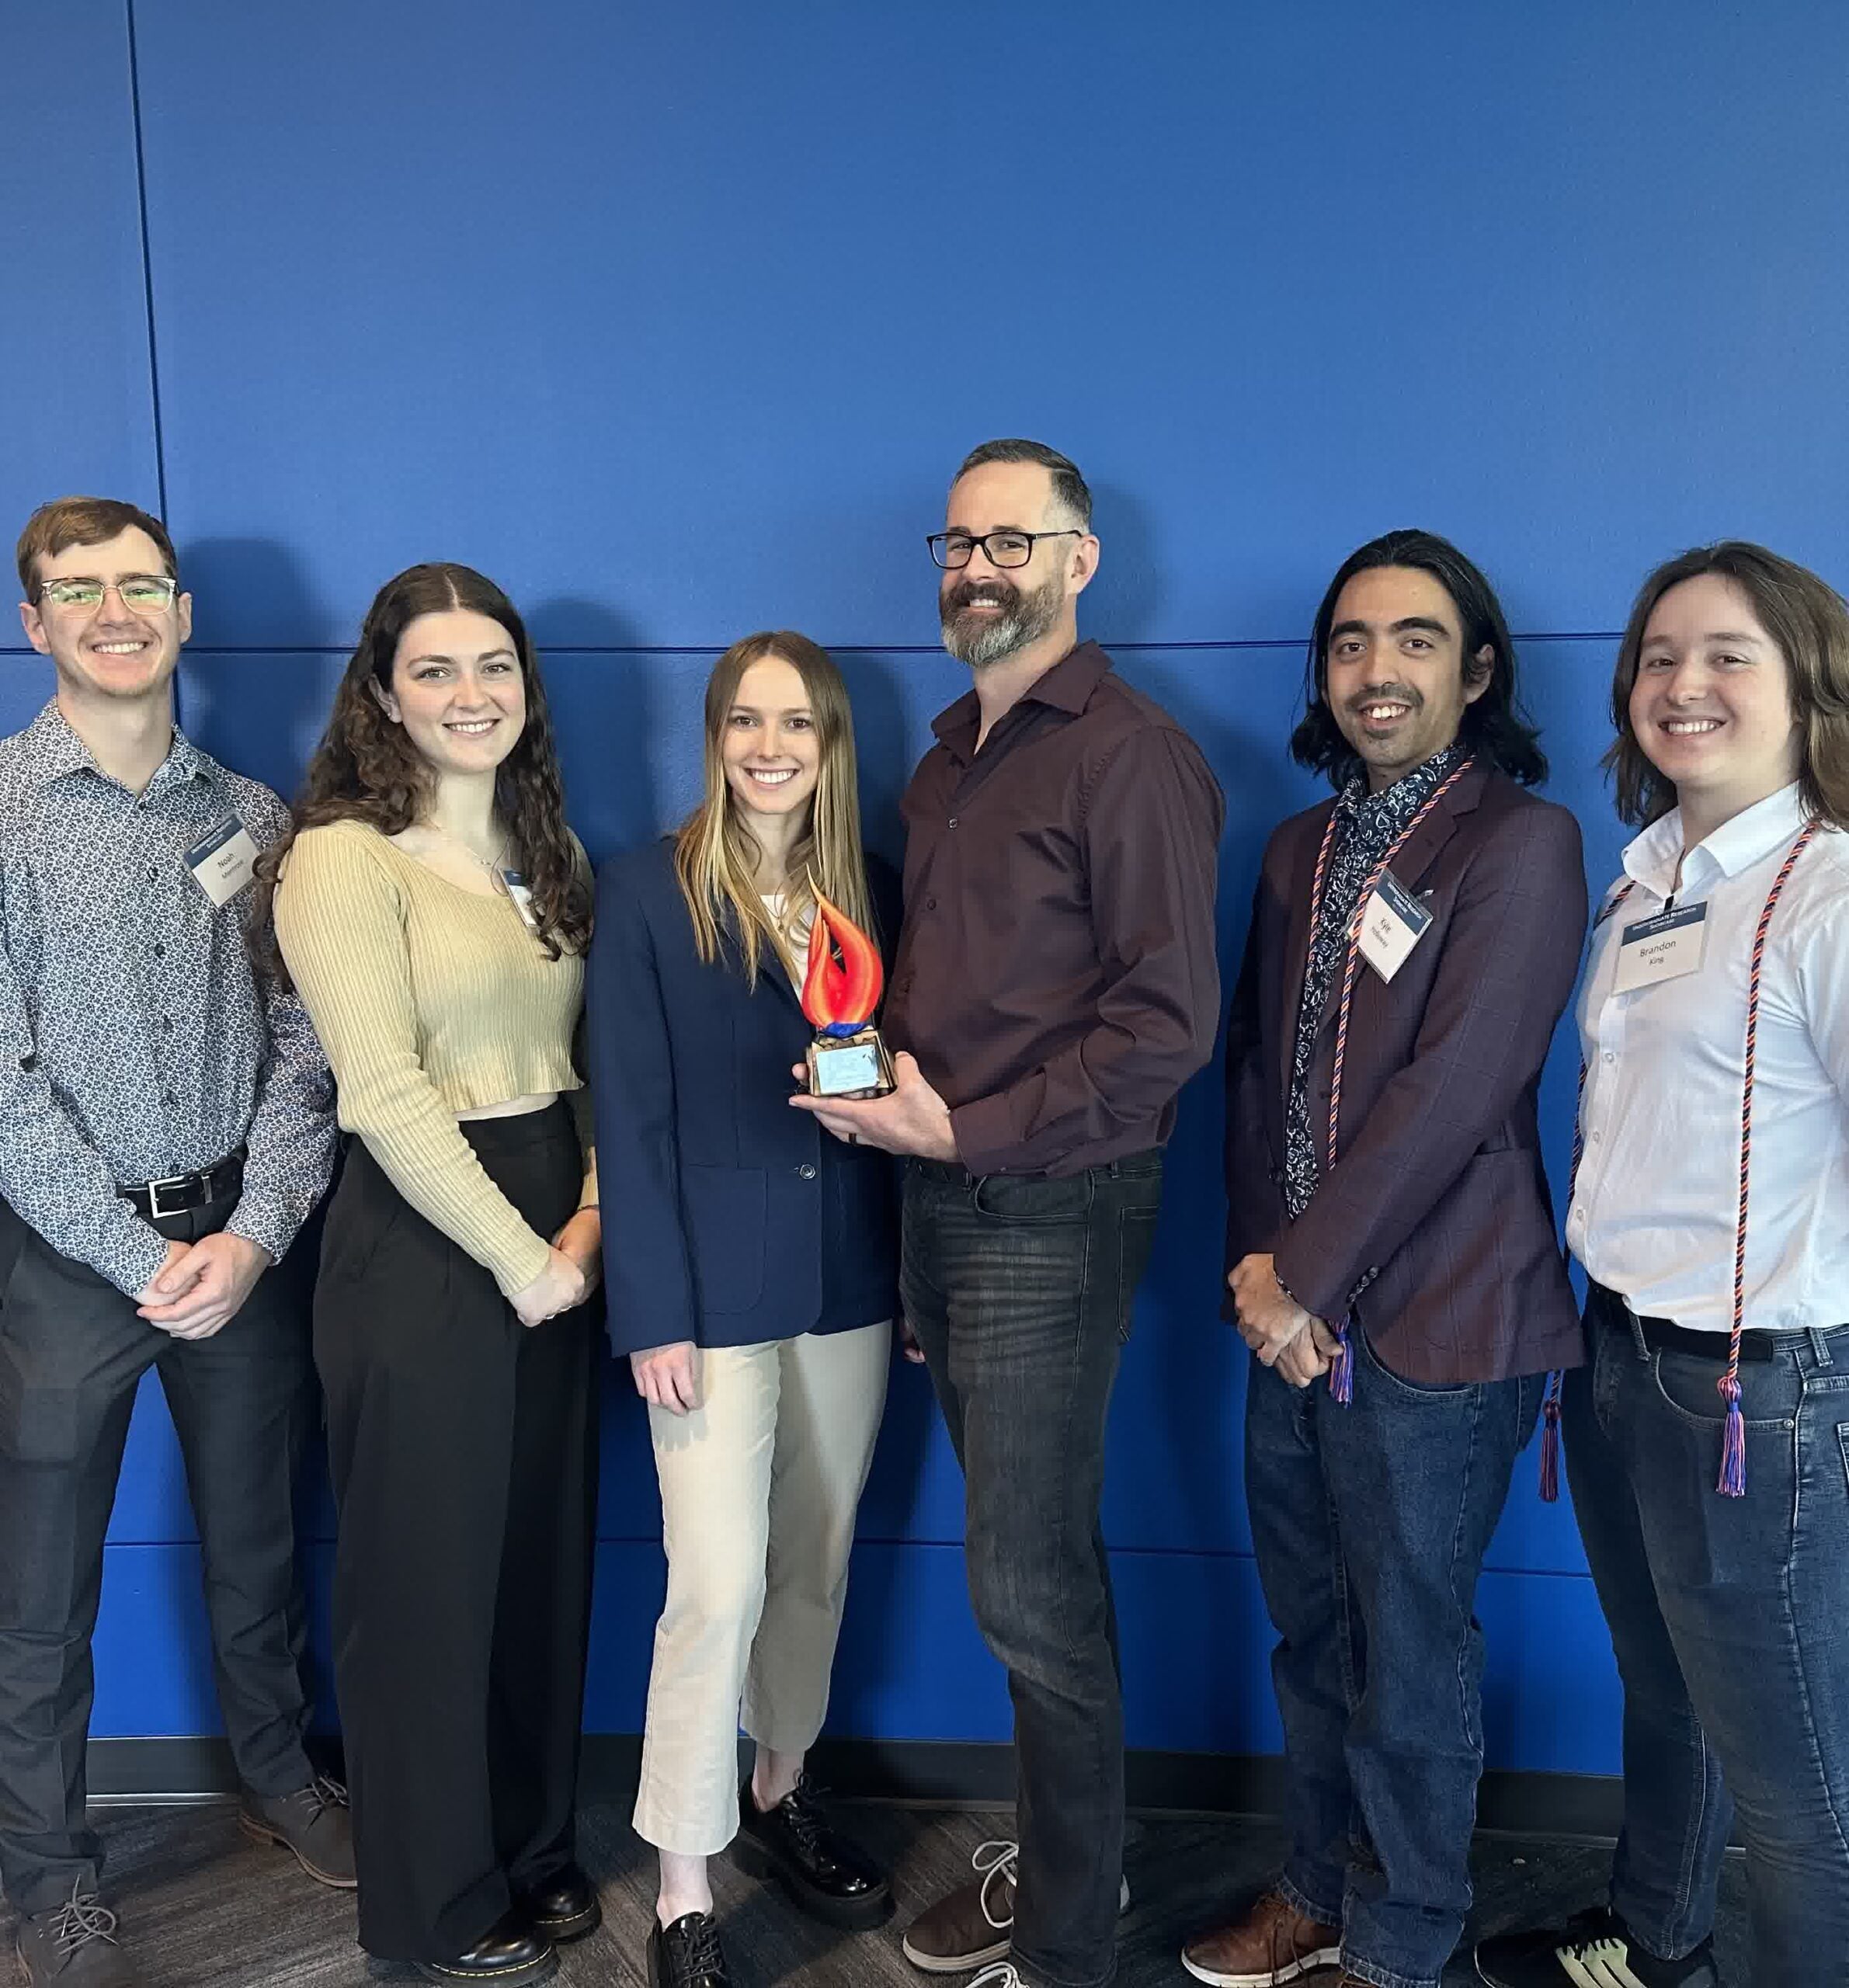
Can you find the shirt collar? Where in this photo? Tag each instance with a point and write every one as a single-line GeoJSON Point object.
{"type": "Point", "coordinates": [1067, 686]}
{"type": "Point", "coordinates": [1751, 837]}
{"type": "Point", "coordinates": [50, 750]}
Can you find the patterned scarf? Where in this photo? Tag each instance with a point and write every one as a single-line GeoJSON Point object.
{"type": "Point", "coordinates": [1366, 826]}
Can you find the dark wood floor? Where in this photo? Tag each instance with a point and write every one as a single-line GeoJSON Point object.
{"type": "Point", "coordinates": [201, 1908]}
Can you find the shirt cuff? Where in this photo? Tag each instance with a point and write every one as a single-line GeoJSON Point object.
{"type": "Point", "coordinates": [133, 1265]}
{"type": "Point", "coordinates": [260, 1218]}
{"type": "Point", "coordinates": [984, 1130]}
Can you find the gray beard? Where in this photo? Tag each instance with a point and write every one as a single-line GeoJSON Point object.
{"type": "Point", "coordinates": [990, 642]}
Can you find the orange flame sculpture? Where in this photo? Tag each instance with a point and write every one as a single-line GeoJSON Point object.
{"type": "Point", "coordinates": [841, 995]}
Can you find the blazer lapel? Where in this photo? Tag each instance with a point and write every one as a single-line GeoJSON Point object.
{"type": "Point", "coordinates": [1413, 864]}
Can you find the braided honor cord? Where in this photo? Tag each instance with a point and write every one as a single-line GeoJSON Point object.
{"type": "Point", "coordinates": [1341, 1372]}
{"type": "Point", "coordinates": [1733, 1480]}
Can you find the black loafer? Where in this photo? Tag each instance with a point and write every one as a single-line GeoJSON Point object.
{"type": "Point", "coordinates": [687, 1953]}
{"type": "Point", "coordinates": [511, 1954]}
{"type": "Point", "coordinates": [828, 1876]}
{"type": "Point", "coordinates": [565, 1907]}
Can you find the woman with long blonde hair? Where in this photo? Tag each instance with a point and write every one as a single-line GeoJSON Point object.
{"type": "Point", "coordinates": [751, 1267]}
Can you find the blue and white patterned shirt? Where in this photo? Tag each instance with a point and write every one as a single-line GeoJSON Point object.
{"type": "Point", "coordinates": [135, 1043]}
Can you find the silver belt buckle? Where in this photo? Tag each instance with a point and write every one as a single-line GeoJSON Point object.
{"type": "Point", "coordinates": [155, 1211]}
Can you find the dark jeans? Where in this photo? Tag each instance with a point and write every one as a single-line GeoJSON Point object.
{"type": "Point", "coordinates": [72, 1352]}
{"type": "Point", "coordinates": [1020, 1291]}
{"type": "Point", "coordinates": [1370, 1522]}
{"type": "Point", "coordinates": [462, 1448]}
{"type": "Point", "coordinates": [1730, 1621]}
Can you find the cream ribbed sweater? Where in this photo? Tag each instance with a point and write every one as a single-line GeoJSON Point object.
{"type": "Point", "coordinates": [429, 999]}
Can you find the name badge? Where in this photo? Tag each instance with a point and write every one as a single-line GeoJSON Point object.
{"type": "Point", "coordinates": [1393, 925]}
{"type": "Point", "coordinates": [224, 861]}
{"type": "Point", "coordinates": [1664, 947]}
{"type": "Point", "coordinates": [517, 888]}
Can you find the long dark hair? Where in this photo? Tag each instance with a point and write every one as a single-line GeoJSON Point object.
{"type": "Point", "coordinates": [366, 768]}
{"type": "Point", "coordinates": [1495, 727]}
{"type": "Point", "coordinates": [1809, 623]}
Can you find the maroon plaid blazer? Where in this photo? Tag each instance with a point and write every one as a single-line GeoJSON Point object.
{"type": "Point", "coordinates": [1434, 1231]}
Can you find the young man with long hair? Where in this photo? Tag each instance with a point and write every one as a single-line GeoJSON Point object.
{"type": "Point", "coordinates": [1390, 1253]}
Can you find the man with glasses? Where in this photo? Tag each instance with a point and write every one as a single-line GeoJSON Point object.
{"type": "Point", "coordinates": [166, 1128]}
{"type": "Point", "coordinates": [1055, 984]}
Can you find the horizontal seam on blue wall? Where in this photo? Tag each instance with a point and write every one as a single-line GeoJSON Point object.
{"type": "Point", "coordinates": [837, 648]}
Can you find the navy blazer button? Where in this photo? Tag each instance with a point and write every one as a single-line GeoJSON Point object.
{"type": "Point", "coordinates": [806, 1171]}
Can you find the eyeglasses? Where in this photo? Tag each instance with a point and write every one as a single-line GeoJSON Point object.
{"type": "Point", "coordinates": [953, 550]}
{"type": "Point", "coordinates": [142, 594]}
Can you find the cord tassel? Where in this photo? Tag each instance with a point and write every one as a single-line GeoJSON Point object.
{"type": "Point", "coordinates": [1550, 1440]}
{"type": "Point", "coordinates": [1341, 1369]}
{"type": "Point", "coordinates": [1733, 1443]}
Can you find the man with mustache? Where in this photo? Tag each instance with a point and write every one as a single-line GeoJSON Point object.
{"type": "Point", "coordinates": [1055, 984]}
{"type": "Point", "coordinates": [1391, 1249]}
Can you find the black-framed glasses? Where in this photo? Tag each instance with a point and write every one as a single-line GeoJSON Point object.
{"type": "Point", "coordinates": [954, 550]}
{"type": "Point", "coordinates": [140, 593]}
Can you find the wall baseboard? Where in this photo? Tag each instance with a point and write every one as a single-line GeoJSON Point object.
{"type": "Point", "coordinates": [927, 1772]}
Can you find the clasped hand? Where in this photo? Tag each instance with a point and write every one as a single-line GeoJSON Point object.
{"type": "Point", "coordinates": [1294, 1342]}
{"type": "Point", "coordinates": [571, 1273]}
{"type": "Point", "coordinates": [200, 1287]}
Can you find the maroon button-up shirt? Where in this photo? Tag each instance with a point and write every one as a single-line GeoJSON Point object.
{"type": "Point", "coordinates": [1056, 978]}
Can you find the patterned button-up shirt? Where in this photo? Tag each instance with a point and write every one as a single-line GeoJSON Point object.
{"type": "Point", "coordinates": [1366, 826]}
{"type": "Point", "coordinates": [135, 1042]}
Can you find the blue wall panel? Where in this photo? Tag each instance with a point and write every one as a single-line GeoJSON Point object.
{"type": "Point", "coordinates": [76, 398]}
{"type": "Point", "coordinates": [678, 316]}
{"type": "Point", "coordinates": [675, 320]}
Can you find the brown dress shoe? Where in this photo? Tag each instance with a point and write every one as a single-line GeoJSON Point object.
{"type": "Point", "coordinates": [1273, 1945]}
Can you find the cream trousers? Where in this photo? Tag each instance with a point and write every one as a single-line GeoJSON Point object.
{"type": "Point", "coordinates": [759, 1485]}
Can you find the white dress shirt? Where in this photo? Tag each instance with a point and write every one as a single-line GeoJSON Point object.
{"type": "Point", "coordinates": [1657, 1199]}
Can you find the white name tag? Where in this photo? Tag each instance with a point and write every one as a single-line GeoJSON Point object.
{"type": "Point", "coordinates": [224, 861]}
{"type": "Point", "coordinates": [1664, 947]}
{"type": "Point", "coordinates": [517, 888]}
{"type": "Point", "coordinates": [1391, 926]}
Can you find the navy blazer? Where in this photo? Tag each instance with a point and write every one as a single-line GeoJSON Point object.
{"type": "Point", "coordinates": [729, 1218]}
{"type": "Point", "coordinates": [1434, 1227]}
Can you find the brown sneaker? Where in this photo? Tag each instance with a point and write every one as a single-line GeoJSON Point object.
{"type": "Point", "coordinates": [972, 1926]}
{"type": "Point", "coordinates": [1273, 1944]}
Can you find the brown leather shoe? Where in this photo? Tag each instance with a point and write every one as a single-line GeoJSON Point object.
{"type": "Point", "coordinates": [1273, 1944]}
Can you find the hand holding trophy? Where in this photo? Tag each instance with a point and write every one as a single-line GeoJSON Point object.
{"type": "Point", "coordinates": [841, 995]}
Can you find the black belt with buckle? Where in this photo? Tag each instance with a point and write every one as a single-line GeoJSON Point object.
{"type": "Point", "coordinates": [181, 1193]}
{"type": "Point", "coordinates": [1665, 1336]}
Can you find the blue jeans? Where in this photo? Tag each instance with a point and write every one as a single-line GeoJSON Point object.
{"type": "Point", "coordinates": [1730, 1621]}
{"type": "Point", "coordinates": [1370, 1522]}
{"type": "Point", "coordinates": [1019, 1292]}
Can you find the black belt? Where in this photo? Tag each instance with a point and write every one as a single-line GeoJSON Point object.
{"type": "Point", "coordinates": [181, 1193]}
{"type": "Point", "coordinates": [1665, 1336]}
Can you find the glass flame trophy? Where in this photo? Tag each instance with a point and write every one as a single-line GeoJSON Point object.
{"type": "Point", "coordinates": [841, 995]}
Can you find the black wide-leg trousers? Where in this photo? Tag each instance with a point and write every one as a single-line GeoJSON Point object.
{"type": "Point", "coordinates": [463, 1452]}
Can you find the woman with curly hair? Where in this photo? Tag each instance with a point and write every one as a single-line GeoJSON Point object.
{"type": "Point", "coordinates": [433, 911]}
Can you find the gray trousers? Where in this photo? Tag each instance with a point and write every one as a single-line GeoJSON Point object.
{"type": "Point", "coordinates": [72, 1352]}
